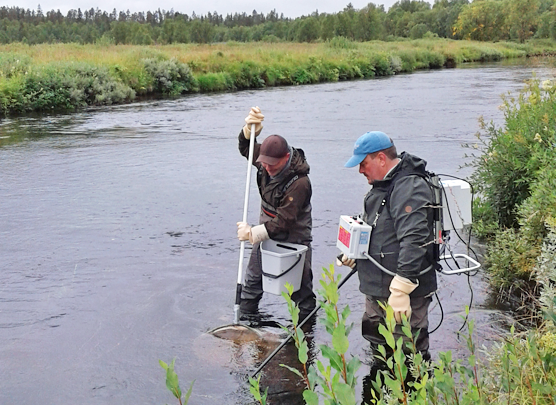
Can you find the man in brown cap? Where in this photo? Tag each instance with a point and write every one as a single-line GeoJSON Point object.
{"type": "Point", "coordinates": [285, 190]}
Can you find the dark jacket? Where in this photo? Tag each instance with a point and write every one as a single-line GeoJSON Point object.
{"type": "Point", "coordinates": [401, 241]}
{"type": "Point", "coordinates": [286, 198]}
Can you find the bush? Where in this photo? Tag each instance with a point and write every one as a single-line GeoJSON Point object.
{"type": "Point", "coordinates": [246, 75]}
{"type": "Point", "coordinates": [512, 157]}
{"type": "Point", "coordinates": [210, 82]}
{"type": "Point", "coordinates": [170, 76]}
{"type": "Point", "coordinates": [515, 177]}
{"type": "Point", "coordinates": [62, 86]}
{"type": "Point", "coordinates": [13, 64]}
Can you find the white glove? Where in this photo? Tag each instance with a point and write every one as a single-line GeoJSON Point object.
{"type": "Point", "coordinates": [345, 261]}
{"type": "Point", "coordinates": [243, 231]}
{"type": "Point", "coordinates": [253, 234]}
{"type": "Point", "coordinates": [255, 117]}
{"type": "Point", "coordinates": [400, 288]}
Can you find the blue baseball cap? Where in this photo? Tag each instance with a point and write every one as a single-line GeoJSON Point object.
{"type": "Point", "coordinates": [370, 142]}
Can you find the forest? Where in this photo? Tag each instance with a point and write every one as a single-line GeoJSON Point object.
{"type": "Point", "coordinates": [480, 20]}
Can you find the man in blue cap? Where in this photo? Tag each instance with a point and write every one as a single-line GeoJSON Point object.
{"type": "Point", "coordinates": [401, 271]}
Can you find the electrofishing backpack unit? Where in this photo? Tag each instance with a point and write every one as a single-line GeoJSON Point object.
{"type": "Point", "coordinates": [452, 201]}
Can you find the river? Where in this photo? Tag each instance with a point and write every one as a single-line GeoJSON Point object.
{"type": "Point", "coordinates": [118, 239]}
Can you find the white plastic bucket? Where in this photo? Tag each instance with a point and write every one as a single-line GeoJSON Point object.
{"type": "Point", "coordinates": [282, 263]}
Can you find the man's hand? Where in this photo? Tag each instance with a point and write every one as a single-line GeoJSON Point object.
{"type": "Point", "coordinates": [344, 261]}
{"type": "Point", "coordinates": [243, 231]}
{"type": "Point", "coordinates": [255, 117]}
{"type": "Point", "coordinates": [400, 288]}
{"type": "Point", "coordinates": [253, 234]}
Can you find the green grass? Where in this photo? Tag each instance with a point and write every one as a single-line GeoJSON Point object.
{"type": "Point", "coordinates": [39, 77]}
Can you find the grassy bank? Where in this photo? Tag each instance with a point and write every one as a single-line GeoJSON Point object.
{"type": "Point", "coordinates": [69, 76]}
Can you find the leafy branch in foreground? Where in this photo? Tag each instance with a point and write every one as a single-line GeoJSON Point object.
{"type": "Point", "coordinates": [335, 381]}
{"type": "Point", "coordinates": [172, 382]}
{"type": "Point", "coordinates": [519, 371]}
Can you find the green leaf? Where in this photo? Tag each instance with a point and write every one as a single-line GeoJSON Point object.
{"type": "Point", "coordinates": [310, 397]}
{"type": "Point", "coordinates": [339, 339]}
{"type": "Point", "coordinates": [320, 367]}
{"type": "Point", "coordinates": [254, 388]}
{"type": "Point", "coordinates": [542, 388]}
{"type": "Point", "coordinates": [349, 328]}
{"type": "Point", "coordinates": [188, 393]}
{"type": "Point", "coordinates": [294, 312]}
{"type": "Point", "coordinates": [172, 382]}
{"type": "Point", "coordinates": [387, 335]}
{"type": "Point", "coordinates": [344, 393]}
{"type": "Point", "coordinates": [289, 287]}
{"type": "Point", "coordinates": [302, 352]}
{"type": "Point", "coordinates": [330, 354]}
{"type": "Point", "coordinates": [407, 331]}
{"type": "Point", "coordinates": [346, 312]}
{"type": "Point", "coordinates": [313, 377]}
{"type": "Point", "coordinates": [293, 370]}
{"type": "Point", "coordinates": [353, 365]}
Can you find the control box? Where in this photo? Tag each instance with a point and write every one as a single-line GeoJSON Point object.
{"type": "Point", "coordinates": [354, 236]}
{"type": "Point", "coordinates": [456, 204]}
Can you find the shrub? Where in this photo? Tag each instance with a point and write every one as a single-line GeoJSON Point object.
{"type": "Point", "coordinates": [381, 63]}
{"type": "Point", "coordinates": [210, 82]}
{"type": "Point", "coordinates": [246, 75]}
{"type": "Point", "coordinates": [170, 76]}
{"type": "Point", "coordinates": [12, 94]}
{"type": "Point", "coordinates": [512, 157]}
{"type": "Point", "coordinates": [13, 64]}
{"type": "Point", "coordinates": [64, 86]}
{"type": "Point", "coordinates": [515, 177]}
{"type": "Point", "coordinates": [545, 269]}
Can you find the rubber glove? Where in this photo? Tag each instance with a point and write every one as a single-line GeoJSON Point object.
{"type": "Point", "coordinates": [400, 288]}
{"type": "Point", "coordinates": [344, 261]}
{"type": "Point", "coordinates": [255, 117]}
{"type": "Point", "coordinates": [253, 234]}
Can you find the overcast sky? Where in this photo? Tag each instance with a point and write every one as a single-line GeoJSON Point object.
{"type": "Point", "coordinates": [290, 8]}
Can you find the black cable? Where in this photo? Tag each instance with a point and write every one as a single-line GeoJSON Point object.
{"type": "Point", "coordinates": [441, 314]}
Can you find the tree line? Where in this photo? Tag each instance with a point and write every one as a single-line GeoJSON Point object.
{"type": "Point", "coordinates": [483, 20]}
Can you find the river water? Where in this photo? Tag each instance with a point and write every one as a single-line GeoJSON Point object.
{"type": "Point", "coordinates": [118, 239]}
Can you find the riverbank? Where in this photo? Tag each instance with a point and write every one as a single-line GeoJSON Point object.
{"type": "Point", "coordinates": [69, 76]}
